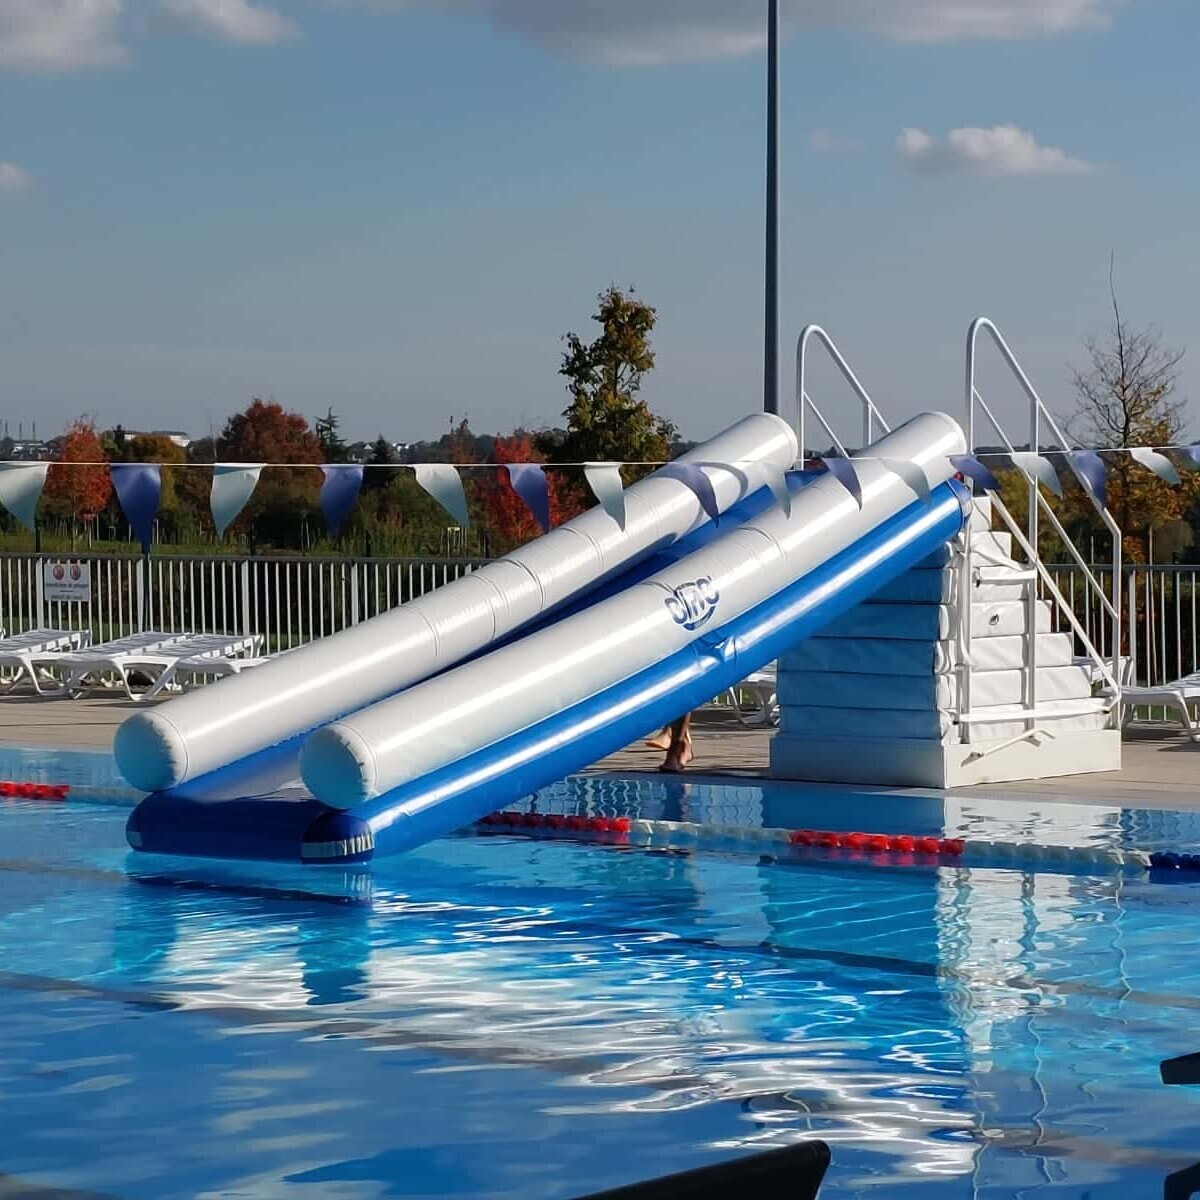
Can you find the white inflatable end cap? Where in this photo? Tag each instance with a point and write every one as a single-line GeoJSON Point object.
{"type": "Point", "coordinates": [150, 753]}
{"type": "Point", "coordinates": [338, 767]}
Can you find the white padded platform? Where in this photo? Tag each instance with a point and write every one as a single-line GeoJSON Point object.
{"type": "Point", "coordinates": [934, 622]}
{"type": "Point", "coordinates": [892, 656]}
{"type": "Point", "coordinates": [988, 688]}
{"type": "Point", "coordinates": [809, 723]}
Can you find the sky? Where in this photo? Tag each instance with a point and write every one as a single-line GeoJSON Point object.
{"type": "Point", "coordinates": [398, 207]}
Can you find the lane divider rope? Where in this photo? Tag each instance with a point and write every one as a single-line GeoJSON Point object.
{"type": "Point", "coordinates": [33, 791]}
{"type": "Point", "coordinates": [896, 849]}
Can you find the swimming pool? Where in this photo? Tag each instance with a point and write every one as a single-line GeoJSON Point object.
{"type": "Point", "coordinates": [500, 1017]}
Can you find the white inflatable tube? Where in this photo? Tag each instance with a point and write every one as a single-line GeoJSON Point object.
{"type": "Point", "coordinates": [442, 720]}
{"type": "Point", "coordinates": [200, 732]}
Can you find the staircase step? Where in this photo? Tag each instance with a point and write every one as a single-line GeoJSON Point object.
{"type": "Point", "coordinates": [989, 689]}
{"type": "Point", "coordinates": [932, 622]}
{"type": "Point", "coordinates": [835, 725]}
{"type": "Point", "coordinates": [894, 656]}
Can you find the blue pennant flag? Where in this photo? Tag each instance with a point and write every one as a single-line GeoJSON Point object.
{"type": "Point", "coordinates": [339, 493]}
{"type": "Point", "coordinates": [842, 469]}
{"type": "Point", "coordinates": [1092, 471]}
{"type": "Point", "coordinates": [968, 466]}
{"type": "Point", "coordinates": [528, 480]}
{"type": "Point", "coordinates": [694, 478]}
{"type": "Point", "coordinates": [139, 490]}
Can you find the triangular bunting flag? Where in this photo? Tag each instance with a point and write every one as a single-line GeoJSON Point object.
{"type": "Point", "coordinates": [1160, 464]}
{"type": "Point", "coordinates": [777, 482]}
{"type": "Point", "coordinates": [698, 483]}
{"type": "Point", "coordinates": [1039, 468]}
{"type": "Point", "coordinates": [232, 486]}
{"type": "Point", "coordinates": [1092, 472]}
{"type": "Point", "coordinates": [912, 473]}
{"type": "Point", "coordinates": [444, 484]}
{"type": "Point", "coordinates": [968, 466]}
{"type": "Point", "coordinates": [339, 493]}
{"type": "Point", "coordinates": [607, 486]}
{"type": "Point", "coordinates": [139, 490]}
{"type": "Point", "coordinates": [528, 480]}
{"type": "Point", "coordinates": [842, 469]}
{"type": "Point", "coordinates": [21, 485]}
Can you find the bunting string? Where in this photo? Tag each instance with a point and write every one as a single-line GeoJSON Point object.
{"type": "Point", "coordinates": [138, 486]}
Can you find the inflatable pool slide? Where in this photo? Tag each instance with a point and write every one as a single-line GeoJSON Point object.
{"type": "Point", "coordinates": [419, 722]}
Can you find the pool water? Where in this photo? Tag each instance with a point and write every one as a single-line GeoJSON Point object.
{"type": "Point", "coordinates": [499, 1017]}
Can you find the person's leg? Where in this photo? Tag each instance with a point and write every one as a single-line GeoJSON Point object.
{"type": "Point", "coordinates": [661, 740]}
{"type": "Point", "coordinates": [679, 754]}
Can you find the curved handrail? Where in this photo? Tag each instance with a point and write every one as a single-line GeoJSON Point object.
{"type": "Point", "coordinates": [1038, 505]}
{"type": "Point", "coordinates": [871, 414]}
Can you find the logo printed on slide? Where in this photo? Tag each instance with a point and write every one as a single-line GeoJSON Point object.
{"type": "Point", "coordinates": [693, 605]}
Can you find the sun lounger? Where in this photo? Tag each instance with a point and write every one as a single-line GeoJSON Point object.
{"type": "Point", "coordinates": [67, 674]}
{"type": "Point", "coordinates": [199, 668]}
{"type": "Point", "coordinates": [760, 688]}
{"type": "Point", "coordinates": [18, 652]}
{"type": "Point", "coordinates": [1176, 698]}
{"type": "Point", "coordinates": [142, 674]}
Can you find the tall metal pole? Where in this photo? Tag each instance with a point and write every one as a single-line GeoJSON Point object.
{"type": "Point", "coordinates": [771, 341]}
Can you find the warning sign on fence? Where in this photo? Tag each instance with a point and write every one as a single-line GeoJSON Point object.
{"type": "Point", "coordinates": [68, 581]}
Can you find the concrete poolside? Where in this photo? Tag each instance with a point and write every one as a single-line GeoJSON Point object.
{"type": "Point", "coordinates": [1161, 767]}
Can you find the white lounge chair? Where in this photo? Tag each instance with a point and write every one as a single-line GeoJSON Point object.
{"type": "Point", "coordinates": [1176, 697]}
{"type": "Point", "coordinates": [157, 665]}
{"type": "Point", "coordinates": [67, 674]}
{"type": "Point", "coordinates": [18, 652]}
{"type": "Point", "coordinates": [194, 672]}
{"type": "Point", "coordinates": [760, 687]}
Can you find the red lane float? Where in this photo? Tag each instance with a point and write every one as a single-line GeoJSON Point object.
{"type": "Point", "coordinates": [875, 843]}
{"type": "Point", "coordinates": [33, 791]}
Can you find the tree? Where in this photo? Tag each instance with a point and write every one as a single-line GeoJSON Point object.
{"type": "Point", "coordinates": [606, 419]}
{"type": "Point", "coordinates": [265, 433]}
{"type": "Point", "coordinates": [378, 472]}
{"type": "Point", "coordinates": [77, 486]}
{"type": "Point", "coordinates": [1126, 396]}
{"type": "Point", "coordinates": [332, 446]}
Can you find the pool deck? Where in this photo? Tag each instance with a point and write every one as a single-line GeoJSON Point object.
{"type": "Point", "coordinates": [1161, 766]}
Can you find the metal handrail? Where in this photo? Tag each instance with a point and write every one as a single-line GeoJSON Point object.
{"type": "Point", "coordinates": [871, 414]}
{"type": "Point", "coordinates": [1038, 505]}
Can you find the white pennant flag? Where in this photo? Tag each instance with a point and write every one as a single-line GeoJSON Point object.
{"type": "Point", "coordinates": [607, 486]}
{"type": "Point", "coordinates": [912, 473]}
{"type": "Point", "coordinates": [232, 486]}
{"type": "Point", "coordinates": [1160, 464]}
{"type": "Point", "coordinates": [444, 484]}
{"type": "Point", "coordinates": [21, 485]}
{"type": "Point", "coordinates": [1037, 467]}
{"type": "Point", "coordinates": [777, 482]}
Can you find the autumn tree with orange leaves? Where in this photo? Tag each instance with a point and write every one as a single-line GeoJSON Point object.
{"type": "Point", "coordinates": [78, 484]}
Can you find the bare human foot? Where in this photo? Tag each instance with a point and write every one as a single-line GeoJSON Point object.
{"type": "Point", "coordinates": [678, 758]}
{"type": "Point", "coordinates": [660, 741]}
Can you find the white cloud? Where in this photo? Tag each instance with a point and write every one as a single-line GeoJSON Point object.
{"type": "Point", "coordinates": [1002, 150]}
{"type": "Point", "coordinates": [232, 20]}
{"type": "Point", "coordinates": [14, 178]}
{"type": "Point", "coordinates": [645, 32]}
{"type": "Point", "coordinates": [56, 35]}
{"type": "Point", "coordinates": [63, 34]}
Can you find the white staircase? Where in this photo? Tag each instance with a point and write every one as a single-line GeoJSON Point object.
{"type": "Point", "coordinates": [963, 670]}
{"type": "Point", "coordinates": [894, 694]}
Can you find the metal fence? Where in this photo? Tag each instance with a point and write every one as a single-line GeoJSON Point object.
{"type": "Point", "coordinates": [1162, 636]}
{"type": "Point", "coordinates": [295, 600]}
{"type": "Point", "coordinates": [289, 601]}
